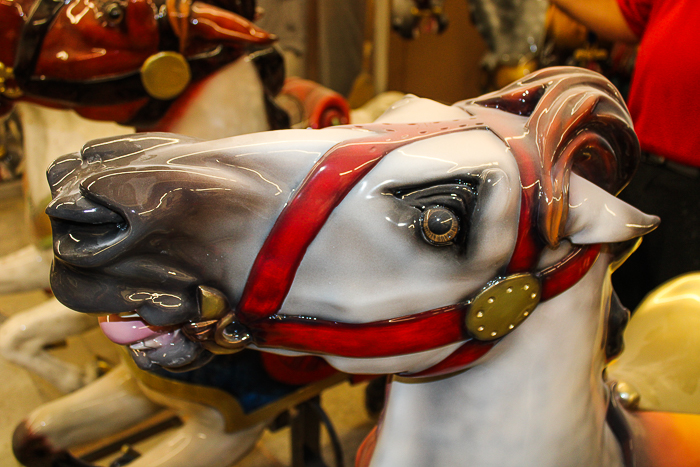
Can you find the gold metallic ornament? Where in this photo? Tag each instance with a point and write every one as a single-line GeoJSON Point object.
{"type": "Point", "coordinates": [230, 335]}
{"type": "Point", "coordinates": [502, 306]}
{"type": "Point", "coordinates": [218, 330]}
{"type": "Point", "coordinates": [7, 74]}
{"type": "Point", "coordinates": [165, 75]}
{"type": "Point", "coordinates": [627, 395]}
{"type": "Point", "coordinates": [212, 303]}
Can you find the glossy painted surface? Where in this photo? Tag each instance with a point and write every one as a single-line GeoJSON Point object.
{"type": "Point", "coordinates": [118, 401]}
{"type": "Point", "coordinates": [142, 222]}
{"type": "Point", "coordinates": [89, 54]}
{"type": "Point", "coordinates": [661, 340]}
{"type": "Point", "coordinates": [282, 275]}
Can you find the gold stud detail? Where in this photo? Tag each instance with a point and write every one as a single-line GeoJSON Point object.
{"type": "Point", "coordinates": [502, 306]}
{"type": "Point", "coordinates": [165, 75]}
{"type": "Point", "coordinates": [627, 395]}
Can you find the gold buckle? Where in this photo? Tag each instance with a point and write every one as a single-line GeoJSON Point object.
{"type": "Point", "coordinates": [218, 331]}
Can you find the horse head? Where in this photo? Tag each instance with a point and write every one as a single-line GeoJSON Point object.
{"type": "Point", "coordinates": [108, 58]}
{"type": "Point", "coordinates": [411, 245]}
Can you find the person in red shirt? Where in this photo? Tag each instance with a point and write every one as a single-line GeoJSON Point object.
{"type": "Point", "coordinates": [664, 102]}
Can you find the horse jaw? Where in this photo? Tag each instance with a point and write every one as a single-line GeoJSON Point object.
{"type": "Point", "coordinates": [263, 169]}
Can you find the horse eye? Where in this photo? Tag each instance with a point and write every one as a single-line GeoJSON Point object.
{"type": "Point", "coordinates": [114, 13]}
{"type": "Point", "coordinates": [439, 225]}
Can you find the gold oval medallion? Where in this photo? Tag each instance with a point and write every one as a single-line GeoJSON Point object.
{"type": "Point", "coordinates": [165, 75]}
{"type": "Point", "coordinates": [502, 306]}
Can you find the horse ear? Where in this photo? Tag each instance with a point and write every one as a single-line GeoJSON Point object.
{"type": "Point", "coordinates": [596, 216]}
{"type": "Point", "coordinates": [577, 122]}
{"type": "Point", "coordinates": [210, 23]}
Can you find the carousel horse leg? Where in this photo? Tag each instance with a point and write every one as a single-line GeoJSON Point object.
{"type": "Point", "coordinates": [202, 440]}
{"type": "Point", "coordinates": [107, 406]}
{"type": "Point", "coordinates": [25, 269]}
{"type": "Point", "coordinates": [25, 336]}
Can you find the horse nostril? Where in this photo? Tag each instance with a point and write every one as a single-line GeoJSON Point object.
{"type": "Point", "coordinates": [105, 149]}
{"type": "Point", "coordinates": [61, 168]}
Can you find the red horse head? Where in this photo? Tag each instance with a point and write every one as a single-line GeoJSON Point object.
{"type": "Point", "coordinates": [109, 58]}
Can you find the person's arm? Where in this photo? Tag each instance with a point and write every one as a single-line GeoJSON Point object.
{"type": "Point", "coordinates": [600, 16]}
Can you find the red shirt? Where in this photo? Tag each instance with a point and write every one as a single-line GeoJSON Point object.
{"type": "Point", "coordinates": [664, 97]}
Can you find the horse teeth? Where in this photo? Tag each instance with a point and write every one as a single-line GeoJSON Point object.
{"type": "Point", "coordinates": [147, 344]}
{"type": "Point", "coordinates": [129, 315]}
{"type": "Point", "coordinates": [153, 343]}
{"type": "Point", "coordinates": [139, 346]}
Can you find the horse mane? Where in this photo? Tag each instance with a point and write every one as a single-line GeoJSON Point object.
{"type": "Point", "coordinates": [575, 121]}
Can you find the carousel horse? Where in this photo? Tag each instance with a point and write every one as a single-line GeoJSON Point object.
{"type": "Point", "coordinates": [117, 62]}
{"type": "Point", "coordinates": [465, 249]}
{"type": "Point", "coordinates": [209, 44]}
{"type": "Point", "coordinates": [47, 134]}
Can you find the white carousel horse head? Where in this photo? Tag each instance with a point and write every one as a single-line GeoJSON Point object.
{"type": "Point", "coordinates": [439, 238]}
{"type": "Point", "coordinates": [420, 211]}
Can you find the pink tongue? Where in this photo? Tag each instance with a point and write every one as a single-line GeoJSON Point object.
{"type": "Point", "coordinates": [126, 331]}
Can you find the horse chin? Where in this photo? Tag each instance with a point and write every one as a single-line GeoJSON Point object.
{"type": "Point", "coordinates": [179, 354]}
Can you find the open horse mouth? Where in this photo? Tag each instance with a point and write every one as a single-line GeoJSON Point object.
{"type": "Point", "coordinates": [151, 346]}
{"type": "Point", "coordinates": [165, 346]}
{"type": "Point", "coordinates": [129, 329]}
{"type": "Point", "coordinates": [87, 234]}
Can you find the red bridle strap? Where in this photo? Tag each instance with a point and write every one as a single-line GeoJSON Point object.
{"type": "Point", "coordinates": [408, 334]}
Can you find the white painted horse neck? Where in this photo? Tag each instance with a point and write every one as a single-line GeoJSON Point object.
{"type": "Point", "coordinates": [232, 100]}
{"type": "Point", "coordinates": [538, 399]}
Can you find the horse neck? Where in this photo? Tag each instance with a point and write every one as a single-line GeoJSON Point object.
{"type": "Point", "coordinates": [537, 399]}
{"type": "Point", "coordinates": [230, 102]}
